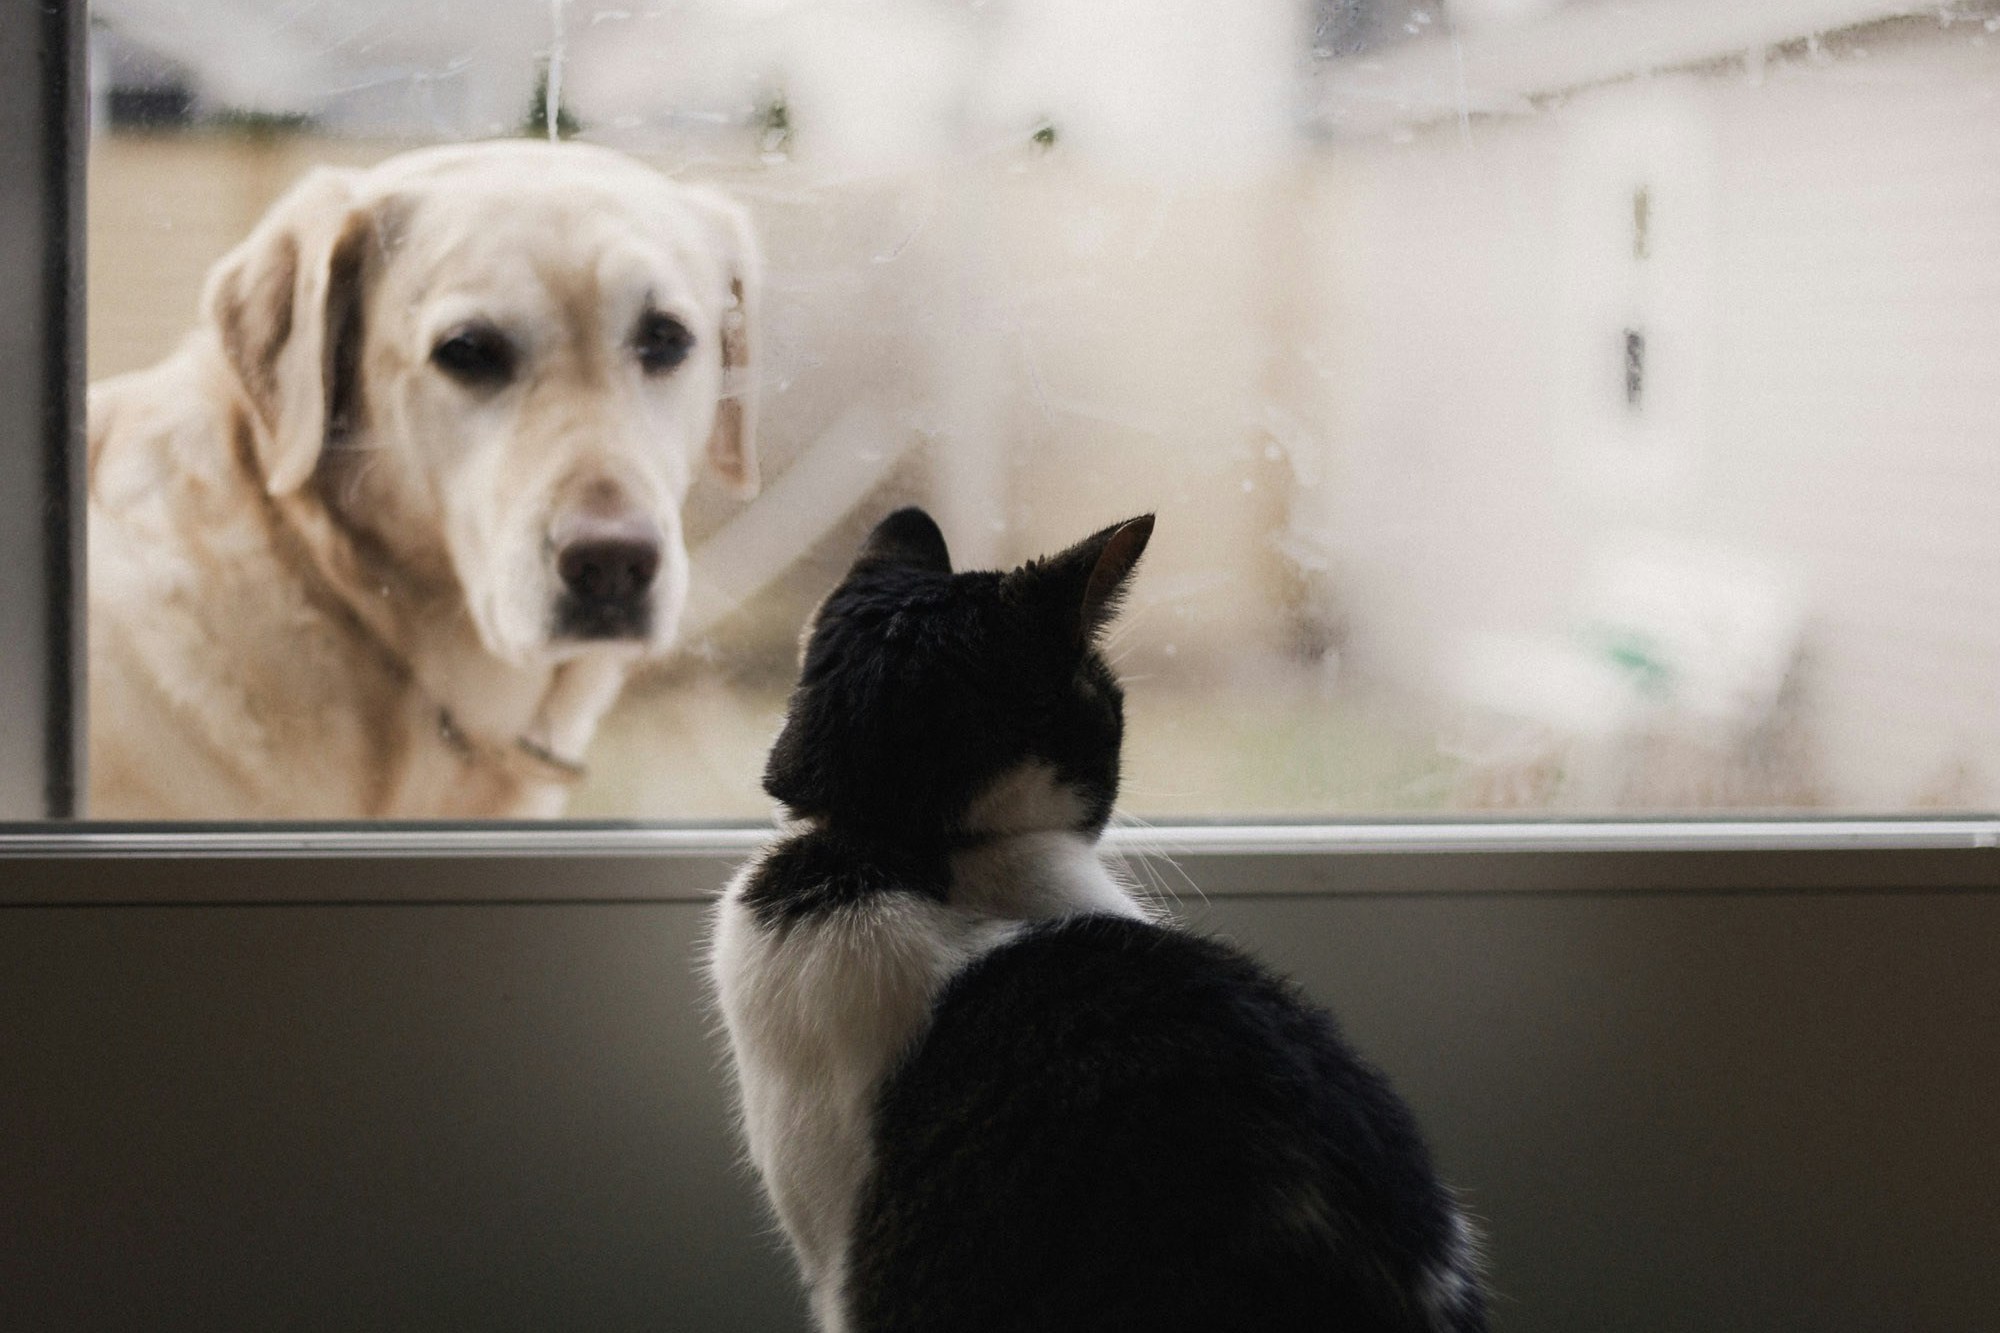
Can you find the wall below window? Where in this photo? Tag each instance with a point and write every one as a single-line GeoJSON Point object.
{"type": "Point", "coordinates": [1705, 1109]}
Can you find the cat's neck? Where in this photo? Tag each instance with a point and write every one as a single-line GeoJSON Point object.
{"type": "Point", "coordinates": [1033, 875]}
{"type": "Point", "coordinates": [1030, 851]}
{"type": "Point", "coordinates": [1024, 850]}
{"type": "Point", "coordinates": [1036, 876]}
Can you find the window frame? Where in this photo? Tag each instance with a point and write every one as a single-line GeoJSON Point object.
{"type": "Point", "coordinates": [44, 133]}
{"type": "Point", "coordinates": [43, 148]}
{"type": "Point", "coordinates": [50, 865]}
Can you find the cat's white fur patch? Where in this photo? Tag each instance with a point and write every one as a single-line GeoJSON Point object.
{"type": "Point", "coordinates": [1029, 863]}
{"type": "Point", "coordinates": [1027, 798]}
{"type": "Point", "coordinates": [817, 1011]}
{"type": "Point", "coordinates": [819, 1008]}
{"type": "Point", "coordinates": [1039, 877]}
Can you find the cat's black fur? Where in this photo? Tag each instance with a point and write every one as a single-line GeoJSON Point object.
{"type": "Point", "coordinates": [1111, 1125]}
{"type": "Point", "coordinates": [1104, 1123]}
{"type": "Point", "coordinates": [919, 686]}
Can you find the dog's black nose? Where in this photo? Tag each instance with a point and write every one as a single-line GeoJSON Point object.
{"type": "Point", "coordinates": [608, 554]}
{"type": "Point", "coordinates": [609, 570]}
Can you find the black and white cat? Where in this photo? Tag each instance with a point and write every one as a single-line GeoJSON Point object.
{"type": "Point", "coordinates": [985, 1087]}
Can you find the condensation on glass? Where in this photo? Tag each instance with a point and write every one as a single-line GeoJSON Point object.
{"type": "Point", "coordinates": [1548, 406]}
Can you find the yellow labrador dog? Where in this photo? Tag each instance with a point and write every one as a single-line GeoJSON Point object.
{"type": "Point", "coordinates": [385, 536]}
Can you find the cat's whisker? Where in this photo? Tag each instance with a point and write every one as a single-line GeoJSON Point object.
{"type": "Point", "coordinates": [1140, 870]}
{"type": "Point", "coordinates": [1157, 850]}
{"type": "Point", "coordinates": [1120, 854]}
{"type": "Point", "coordinates": [1119, 642]}
{"type": "Point", "coordinates": [1143, 878]}
{"type": "Point", "coordinates": [1155, 795]}
{"type": "Point", "coordinates": [1166, 887]}
{"type": "Point", "coordinates": [1114, 642]}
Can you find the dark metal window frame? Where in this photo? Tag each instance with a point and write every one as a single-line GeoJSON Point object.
{"type": "Point", "coordinates": [43, 132]}
{"type": "Point", "coordinates": [43, 146]}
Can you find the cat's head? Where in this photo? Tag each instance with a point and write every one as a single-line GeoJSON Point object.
{"type": "Point", "coordinates": [937, 706]}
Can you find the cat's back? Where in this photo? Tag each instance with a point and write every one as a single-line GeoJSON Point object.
{"type": "Point", "coordinates": [1111, 1124]}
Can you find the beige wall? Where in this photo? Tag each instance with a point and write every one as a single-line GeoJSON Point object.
{"type": "Point", "coordinates": [162, 208]}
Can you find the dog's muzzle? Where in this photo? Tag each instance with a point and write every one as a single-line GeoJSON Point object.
{"type": "Point", "coordinates": [607, 565]}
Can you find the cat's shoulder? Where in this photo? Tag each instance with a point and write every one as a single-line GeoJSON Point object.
{"type": "Point", "coordinates": [1138, 967]}
{"type": "Point", "coordinates": [815, 872]}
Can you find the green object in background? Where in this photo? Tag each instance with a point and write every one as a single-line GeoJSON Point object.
{"type": "Point", "coordinates": [1640, 658]}
{"type": "Point", "coordinates": [535, 125]}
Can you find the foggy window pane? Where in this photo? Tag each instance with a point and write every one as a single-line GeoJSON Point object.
{"type": "Point", "coordinates": [1548, 407]}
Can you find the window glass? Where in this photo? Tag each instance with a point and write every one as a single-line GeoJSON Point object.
{"type": "Point", "coordinates": [1576, 407]}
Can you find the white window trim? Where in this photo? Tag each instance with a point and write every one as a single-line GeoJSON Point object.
{"type": "Point", "coordinates": [159, 865]}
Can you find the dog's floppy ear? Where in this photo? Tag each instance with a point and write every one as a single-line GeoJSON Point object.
{"type": "Point", "coordinates": [286, 304]}
{"type": "Point", "coordinates": [732, 445]}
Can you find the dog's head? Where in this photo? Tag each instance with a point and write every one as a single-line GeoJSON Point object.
{"type": "Point", "coordinates": [499, 366]}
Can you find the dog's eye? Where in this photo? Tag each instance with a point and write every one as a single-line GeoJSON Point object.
{"type": "Point", "coordinates": [662, 342]}
{"type": "Point", "coordinates": [475, 354]}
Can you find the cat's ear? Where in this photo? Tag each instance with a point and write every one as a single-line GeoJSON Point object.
{"type": "Point", "coordinates": [1086, 583]}
{"type": "Point", "coordinates": [907, 537]}
{"type": "Point", "coordinates": [1118, 554]}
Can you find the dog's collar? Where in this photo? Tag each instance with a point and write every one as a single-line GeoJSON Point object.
{"type": "Point", "coordinates": [527, 758]}
{"type": "Point", "coordinates": [331, 551]}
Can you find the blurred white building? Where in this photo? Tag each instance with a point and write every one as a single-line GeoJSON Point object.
{"type": "Point", "coordinates": [1714, 282]}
